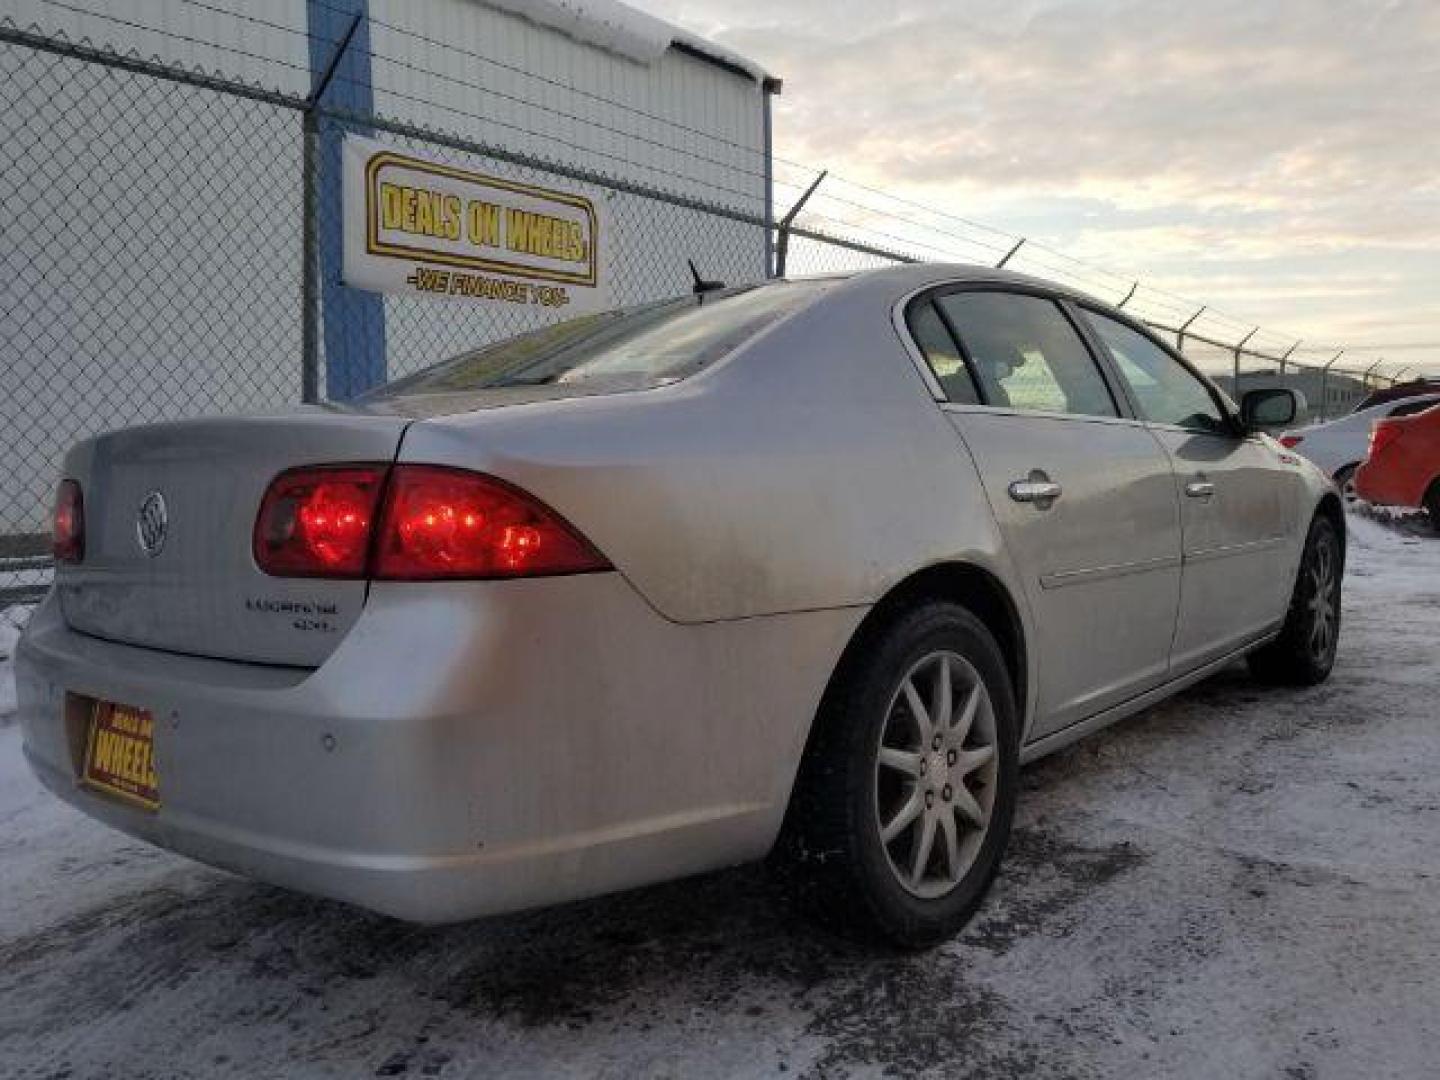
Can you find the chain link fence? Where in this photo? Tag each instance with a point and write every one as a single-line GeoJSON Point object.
{"type": "Point", "coordinates": [158, 262]}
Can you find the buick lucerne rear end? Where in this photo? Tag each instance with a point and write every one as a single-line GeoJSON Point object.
{"type": "Point", "coordinates": [804, 567]}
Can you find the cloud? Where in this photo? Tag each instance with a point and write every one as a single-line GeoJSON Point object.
{"type": "Point", "coordinates": [1225, 134]}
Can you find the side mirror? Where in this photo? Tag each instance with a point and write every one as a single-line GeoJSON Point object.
{"type": "Point", "coordinates": [1261, 410]}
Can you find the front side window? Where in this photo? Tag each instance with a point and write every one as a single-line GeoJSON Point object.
{"type": "Point", "coordinates": [630, 348]}
{"type": "Point", "coordinates": [1026, 354]}
{"type": "Point", "coordinates": [1165, 390]}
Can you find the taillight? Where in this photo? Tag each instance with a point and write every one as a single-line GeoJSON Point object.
{"type": "Point", "coordinates": [68, 532]}
{"type": "Point", "coordinates": [447, 523]}
{"type": "Point", "coordinates": [1291, 441]}
{"type": "Point", "coordinates": [412, 523]}
{"type": "Point", "coordinates": [316, 522]}
{"type": "Point", "coordinates": [1382, 435]}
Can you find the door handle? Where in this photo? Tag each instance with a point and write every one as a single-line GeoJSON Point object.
{"type": "Point", "coordinates": [1199, 489]}
{"type": "Point", "coordinates": [1036, 490]}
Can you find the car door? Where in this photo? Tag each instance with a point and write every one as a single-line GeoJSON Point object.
{"type": "Point", "coordinates": [1240, 499]}
{"type": "Point", "coordinates": [1083, 494]}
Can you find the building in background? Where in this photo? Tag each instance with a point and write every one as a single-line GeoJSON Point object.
{"type": "Point", "coordinates": [155, 236]}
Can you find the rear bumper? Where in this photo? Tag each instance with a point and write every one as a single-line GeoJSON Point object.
{"type": "Point", "coordinates": [1386, 486]}
{"type": "Point", "coordinates": [467, 749]}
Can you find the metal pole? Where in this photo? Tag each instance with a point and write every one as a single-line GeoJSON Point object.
{"type": "Point", "coordinates": [1365, 379]}
{"type": "Point", "coordinates": [309, 261]}
{"type": "Point", "coordinates": [1129, 295]}
{"type": "Point", "coordinates": [1240, 348]}
{"type": "Point", "coordinates": [310, 269]}
{"type": "Point", "coordinates": [782, 247]}
{"type": "Point", "coordinates": [1286, 357]}
{"type": "Point", "coordinates": [1010, 254]}
{"type": "Point", "coordinates": [1325, 382]}
{"type": "Point", "coordinates": [1395, 379]}
{"type": "Point", "coordinates": [770, 88]}
{"type": "Point", "coordinates": [1180, 334]}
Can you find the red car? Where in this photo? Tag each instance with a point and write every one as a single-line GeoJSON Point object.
{"type": "Point", "coordinates": [1403, 468]}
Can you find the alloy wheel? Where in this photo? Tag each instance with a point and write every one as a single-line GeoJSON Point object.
{"type": "Point", "coordinates": [1324, 600]}
{"type": "Point", "coordinates": [935, 774]}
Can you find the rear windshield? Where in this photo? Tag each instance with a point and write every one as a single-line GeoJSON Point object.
{"type": "Point", "coordinates": [649, 345]}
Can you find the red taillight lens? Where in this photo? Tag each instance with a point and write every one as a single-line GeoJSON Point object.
{"type": "Point", "coordinates": [68, 532]}
{"type": "Point", "coordinates": [435, 522]}
{"type": "Point", "coordinates": [1291, 441]}
{"type": "Point", "coordinates": [1382, 435]}
{"type": "Point", "coordinates": [316, 522]}
{"type": "Point", "coordinates": [447, 523]}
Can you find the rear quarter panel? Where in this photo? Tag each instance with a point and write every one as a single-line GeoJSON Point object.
{"type": "Point", "coordinates": [811, 469]}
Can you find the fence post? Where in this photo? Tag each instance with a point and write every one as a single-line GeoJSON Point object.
{"type": "Point", "coordinates": [782, 246]}
{"type": "Point", "coordinates": [1286, 357]}
{"type": "Point", "coordinates": [1129, 295]}
{"type": "Point", "coordinates": [1240, 348]}
{"type": "Point", "coordinates": [1180, 334]}
{"type": "Point", "coordinates": [1325, 383]}
{"type": "Point", "coordinates": [1395, 379]}
{"type": "Point", "coordinates": [310, 226]}
{"type": "Point", "coordinates": [309, 262]}
{"type": "Point", "coordinates": [768, 89]}
{"type": "Point", "coordinates": [1365, 379]}
{"type": "Point", "coordinates": [1010, 254]}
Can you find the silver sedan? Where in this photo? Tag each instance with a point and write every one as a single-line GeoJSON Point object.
{"type": "Point", "coordinates": [805, 568]}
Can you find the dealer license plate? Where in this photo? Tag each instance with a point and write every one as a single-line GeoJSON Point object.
{"type": "Point", "coordinates": [120, 754]}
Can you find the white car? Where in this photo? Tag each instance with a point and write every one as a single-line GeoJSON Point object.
{"type": "Point", "coordinates": [1339, 446]}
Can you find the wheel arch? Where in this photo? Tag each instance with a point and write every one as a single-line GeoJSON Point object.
{"type": "Point", "coordinates": [975, 588]}
{"type": "Point", "coordinates": [1331, 507]}
{"type": "Point", "coordinates": [970, 586]}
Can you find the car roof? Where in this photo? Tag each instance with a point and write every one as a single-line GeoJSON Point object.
{"type": "Point", "coordinates": [908, 277]}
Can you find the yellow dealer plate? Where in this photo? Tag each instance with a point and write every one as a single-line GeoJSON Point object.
{"type": "Point", "coordinates": [120, 754]}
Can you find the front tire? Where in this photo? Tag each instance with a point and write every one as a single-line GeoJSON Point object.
{"type": "Point", "coordinates": [1432, 505]}
{"type": "Point", "coordinates": [904, 802]}
{"type": "Point", "coordinates": [1304, 653]}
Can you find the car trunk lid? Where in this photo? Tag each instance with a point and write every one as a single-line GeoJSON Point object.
{"type": "Point", "coordinates": [169, 515]}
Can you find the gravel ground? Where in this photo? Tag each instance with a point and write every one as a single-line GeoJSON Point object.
{"type": "Point", "coordinates": [1239, 883]}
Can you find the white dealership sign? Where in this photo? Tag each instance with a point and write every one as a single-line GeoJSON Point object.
{"type": "Point", "coordinates": [421, 227]}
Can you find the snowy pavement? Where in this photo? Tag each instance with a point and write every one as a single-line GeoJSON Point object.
{"type": "Point", "coordinates": [1244, 882]}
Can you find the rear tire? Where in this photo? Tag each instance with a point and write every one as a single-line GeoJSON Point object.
{"type": "Point", "coordinates": [1304, 653]}
{"type": "Point", "coordinates": [1432, 504]}
{"type": "Point", "coordinates": [1345, 481]}
{"type": "Point", "coordinates": [903, 805]}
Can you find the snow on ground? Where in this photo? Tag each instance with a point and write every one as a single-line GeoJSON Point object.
{"type": "Point", "coordinates": [1239, 883]}
{"type": "Point", "coordinates": [12, 621]}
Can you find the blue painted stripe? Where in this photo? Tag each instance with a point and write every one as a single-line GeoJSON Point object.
{"type": "Point", "coordinates": [353, 320]}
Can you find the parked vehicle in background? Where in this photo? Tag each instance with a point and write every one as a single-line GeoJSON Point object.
{"type": "Point", "coordinates": [1339, 446]}
{"type": "Point", "coordinates": [1413, 388]}
{"type": "Point", "coordinates": [1403, 468]}
{"type": "Point", "coordinates": [803, 565]}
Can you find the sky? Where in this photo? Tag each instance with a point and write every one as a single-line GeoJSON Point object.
{"type": "Point", "coordinates": [1276, 159]}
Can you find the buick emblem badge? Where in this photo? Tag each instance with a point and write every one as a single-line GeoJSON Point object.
{"type": "Point", "coordinates": [152, 523]}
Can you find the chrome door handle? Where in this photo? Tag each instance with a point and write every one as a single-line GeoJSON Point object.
{"type": "Point", "coordinates": [1043, 492]}
{"type": "Point", "coordinates": [1199, 489]}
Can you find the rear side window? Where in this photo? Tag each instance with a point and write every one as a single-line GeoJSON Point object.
{"type": "Point", "coordinates": [942, 354]}
{"type": "Point", "coordinates": [630, 348]}
{"type": "Point", "coordinates": [1026, 354]}
{"type": "Point", "coordinates": [1166, 391]}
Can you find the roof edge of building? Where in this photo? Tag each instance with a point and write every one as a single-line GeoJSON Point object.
{"type": "Point", "coordinates": [621, 29]}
